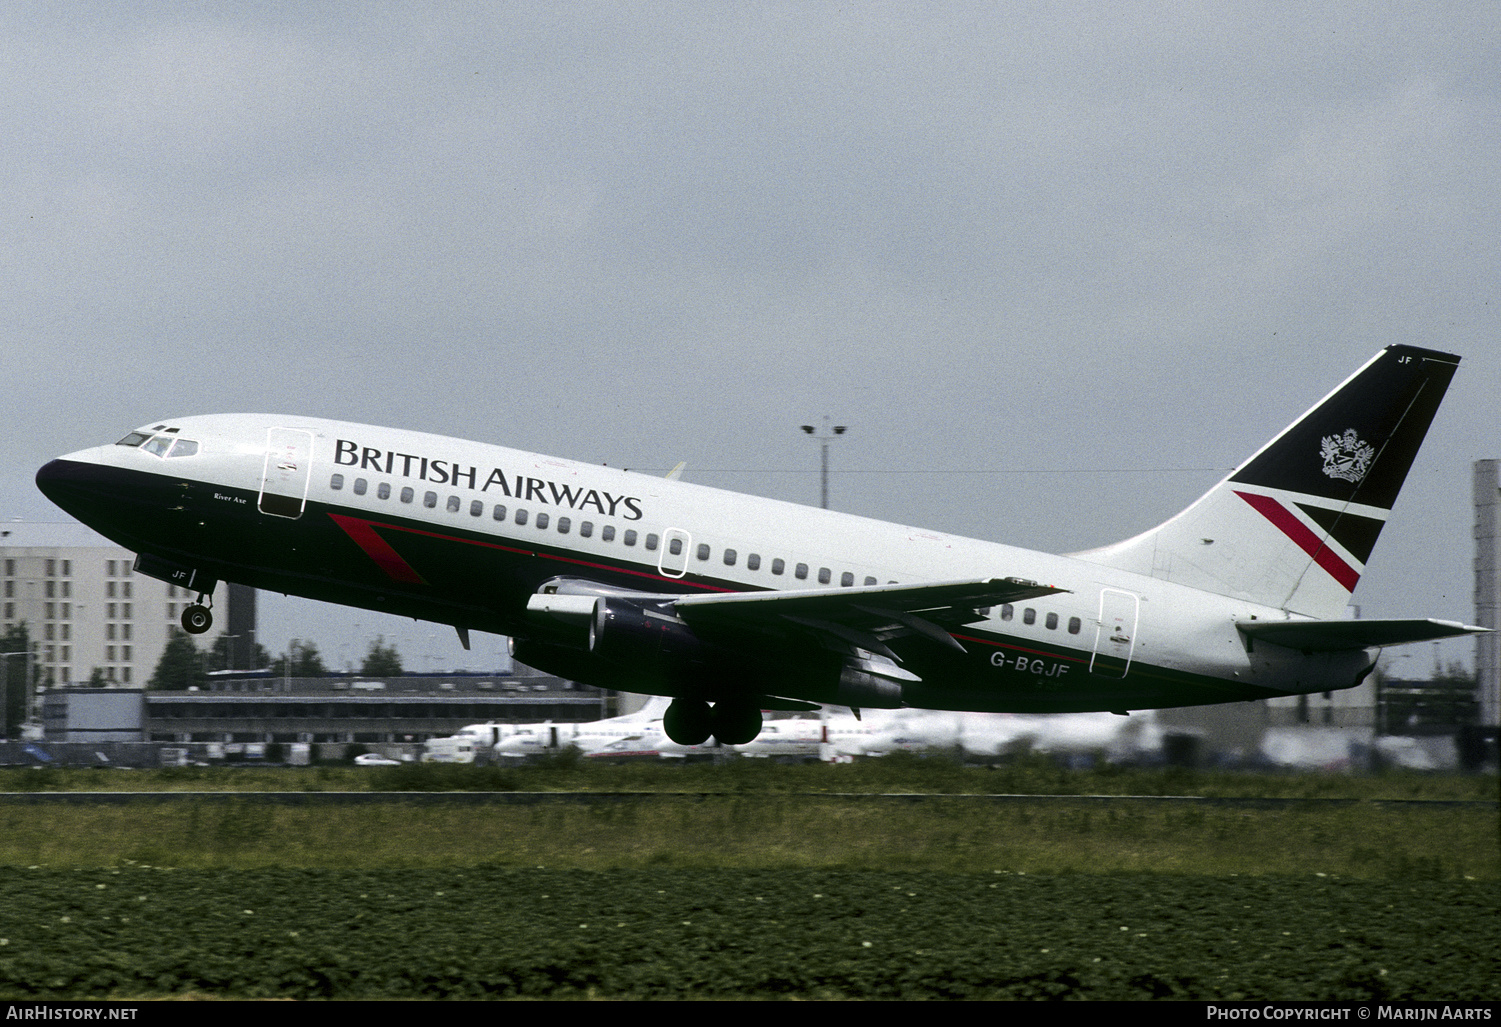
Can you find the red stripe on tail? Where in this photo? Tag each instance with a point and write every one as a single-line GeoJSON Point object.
{"type": "Point", "coordinates": [1306, 540]}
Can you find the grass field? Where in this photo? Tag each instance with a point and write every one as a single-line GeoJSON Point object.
{"type": "Point", "coordinates": [757, 888]}
{"type": "Point", "coordinates": [899, 772]}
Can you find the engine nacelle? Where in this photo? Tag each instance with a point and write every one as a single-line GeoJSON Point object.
{"type": "Point", "coordinates": [616, 642]}
{"type": "Point", "coordinates": [627, 631]}
{"type": "Point", "coordinates": [637, 642]}
{"type": "Point", "coordinates": [576, 611]}
{"type": "Point", "coordinates": [861, 689]}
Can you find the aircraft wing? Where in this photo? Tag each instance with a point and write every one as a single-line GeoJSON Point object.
{"type": "Point", "coordinates": [1325, 636]}
{"type": "Point", "coordinates": [865, 618]}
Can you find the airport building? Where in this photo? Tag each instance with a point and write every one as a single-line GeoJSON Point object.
{"type": "Point", "coordinates": [410, 708]}
{"type": "Point", "coordinates": [86, 608]}
{"type": "Point", "coordinates": [1487, 494]}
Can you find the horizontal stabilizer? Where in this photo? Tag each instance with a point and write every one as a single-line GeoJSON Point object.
{"type": "Point", "coordinates": [1326, 636]}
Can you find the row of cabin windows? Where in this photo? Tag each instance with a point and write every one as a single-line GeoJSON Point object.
{"type": "Point", "coordinates": [606, 533]}
{"type": "Point", "coordinates": [1029, 616]}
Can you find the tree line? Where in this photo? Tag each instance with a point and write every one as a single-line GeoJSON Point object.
{"type": "Point", "coordinates": [183, 665]}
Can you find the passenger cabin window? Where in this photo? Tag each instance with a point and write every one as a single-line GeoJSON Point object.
{"type": "Point", "coordinates": [453, 504]}
{"type": "Point", "coordinates": [703, 551]}
{"type": "Point", "coordinates": [361, 486]}
{"type": "Point", "coordinates": [800, 572]}
{"type": "Point", "coordinates": [336, 482]}
{"type": "Point", "coordinates": [476, 507]}
{"type": "Point", "coordinates": [1073, 625]}
{"type": "Point", "coordinates": [407, 494]}
{"type": "Point", "coordinates": [607, 533]}
{"type": "Point", "coordinates": [824, 575]}
{"type": "Point", "coordinates": [846, 579]}
{"type": "Point", "coordinates": [564, 524]}
{"type": "Point", "coordinates": [1029, 616]}
{"type": "Point", "coordinates": [520, 516]}
{"type": "Point", "coordinates": [430, 500]}
{"type": "Point", "coordinates": [542, 519]}
{"type": "Point", "coordinates": [586, 528]}
{"type": "Point", "coordinates": [499, 513]}
{"type": "Point", "coordinates": [1007, 612]}
{"type": "Point", "coordinates": [630, 537]}
{"type": "Point", "coordinates": [675, 546]}
{"type": "Point", "coordinates": [752, 562]}
{"type": "Point", "coordinates": [1052, 622]}
{"type": "Point", "coordinates": [651, 541]}
{"type": "Point", "coordinates": [778, 565]}
{"type": "Point", "coordinates": [383, 490]}
{"type": "Point", "coordinates": [729, 558]}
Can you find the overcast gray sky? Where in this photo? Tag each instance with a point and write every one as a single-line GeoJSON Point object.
{"type": "Point", "coordinates": [1057, 265]}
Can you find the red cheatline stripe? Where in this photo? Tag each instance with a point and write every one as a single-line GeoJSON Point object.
{"type": "Point", "coordinates": [1306, 540]}
{"type": "Point", "coordinates": [378, 549]}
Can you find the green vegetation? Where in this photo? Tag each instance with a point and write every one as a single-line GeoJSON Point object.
{"type": "Point", "coordinates": [307, 662]}
{"type": "Point", "coordinates": [181, 665]}
{"type": "Point", "coordinates": [16, 641]}
{"type": "Point", "coordinates": [749, 880]}
{"type": "Point", "coordinates": [137, 931]}
{"type": "Point", "coordinates": [382, 661]}
{"type": "Point", "coordinates": [1368, 841]}
{"type": "Point", "coordinates": [898, 773]}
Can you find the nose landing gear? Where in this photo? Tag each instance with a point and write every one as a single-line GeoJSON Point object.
{"type": "Point", "coordinates": [198, 618]}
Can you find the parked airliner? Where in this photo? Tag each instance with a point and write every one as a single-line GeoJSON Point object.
{"type": "Point", "coordinates": [988, 735]}
{"type": "Point", "coordinates": [633, 734]}
{"type": "Point", "coordinates": [733, 604]}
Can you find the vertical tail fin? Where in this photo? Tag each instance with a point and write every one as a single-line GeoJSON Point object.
{"type": "Point", "coordinates": [1294, 525]}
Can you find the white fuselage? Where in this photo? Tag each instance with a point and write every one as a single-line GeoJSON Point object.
{"type": "Point", "coordinates": [657, 535]}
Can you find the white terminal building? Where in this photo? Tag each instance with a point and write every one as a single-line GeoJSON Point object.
{"type": "Point", "coordinates": [84, 605]}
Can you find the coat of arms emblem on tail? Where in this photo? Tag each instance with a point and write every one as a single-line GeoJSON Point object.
{"type": "Point", "coordinates": [1346, 457]}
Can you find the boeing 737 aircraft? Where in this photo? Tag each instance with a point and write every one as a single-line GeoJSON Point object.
{"type": "Point", "coordinates": [732, 604]}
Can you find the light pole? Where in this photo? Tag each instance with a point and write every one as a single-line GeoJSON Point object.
{"type": "Point", "coordinates": [824, 438]}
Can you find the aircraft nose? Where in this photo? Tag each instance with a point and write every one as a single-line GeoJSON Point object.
{"type": "Point", "coordinates": [69, 480]}
{"type": "Point", "coordinates": [54, 476]}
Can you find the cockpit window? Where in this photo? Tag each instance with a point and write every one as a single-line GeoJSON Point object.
{"type": "Point", "coordinates": [160, 445]}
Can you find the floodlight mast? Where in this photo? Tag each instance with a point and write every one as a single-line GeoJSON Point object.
{"type": "Point", "coordinates": [829, 432]}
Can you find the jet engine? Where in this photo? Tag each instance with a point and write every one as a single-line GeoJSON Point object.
{"type": "Point", "coordinates": [637, 642]}
{"type": "Point", "coordinates": [616, 639]}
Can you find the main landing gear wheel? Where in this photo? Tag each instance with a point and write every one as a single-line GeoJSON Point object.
{"type": "Point", "coordinates": [197, 619]}
{"type": "Point", "coordinates": [687, 722]}
{"type": "Point", "coordinates": [735, 724]}
{"type": "Point", "coordinates": [691, 722]}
